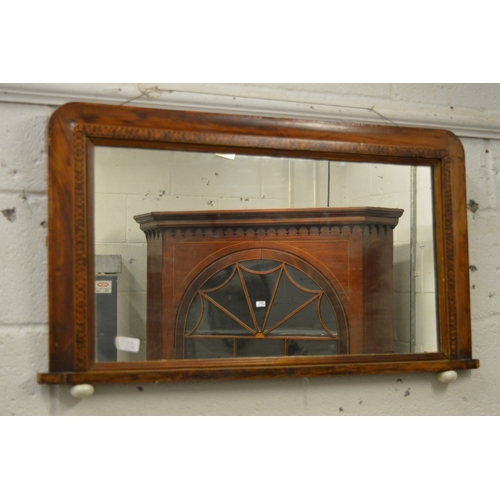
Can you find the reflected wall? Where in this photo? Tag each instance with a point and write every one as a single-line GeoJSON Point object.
{"type": "Point", "coordinates": [129, 182]}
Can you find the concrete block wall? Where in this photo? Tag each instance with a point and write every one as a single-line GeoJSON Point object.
{"type": "Point", "coordinates": [390, 186]}
{"type": "Point", "coordinates": [23, 291]}
{"type": "Point", "coordinates": [23, 264]}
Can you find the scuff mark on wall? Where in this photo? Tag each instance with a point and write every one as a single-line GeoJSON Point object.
{"type": "Point", "coordinates": [9, 214]}
{"type": "Point", "coordinates": [473, 206]}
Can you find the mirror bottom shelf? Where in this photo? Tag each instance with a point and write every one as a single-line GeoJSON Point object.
{"type": "Point", "coordinates": [160, 371]}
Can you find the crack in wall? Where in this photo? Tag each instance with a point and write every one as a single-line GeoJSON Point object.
{"type": "Point", "coordinates": [156, 92]}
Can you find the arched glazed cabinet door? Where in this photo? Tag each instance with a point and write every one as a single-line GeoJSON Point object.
{"type": "Point", "coordinates": [261, 307]}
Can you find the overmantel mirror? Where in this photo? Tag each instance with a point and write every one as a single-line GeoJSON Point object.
{"type": "Point", "coordinates": [186, 245]}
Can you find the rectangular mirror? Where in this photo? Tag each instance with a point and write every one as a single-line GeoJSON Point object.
{"type": "Point", "coordinates": [189, 181]}
{"type": "Point", "coordinates": [198, 245]}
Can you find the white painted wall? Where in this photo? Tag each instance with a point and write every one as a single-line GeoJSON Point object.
{"type": "Point", "coordinates": [24, 113]}
{"type": "Point", "coordinates": [184, 181]}
{"type": "Point", "coordinates": [390, 186]}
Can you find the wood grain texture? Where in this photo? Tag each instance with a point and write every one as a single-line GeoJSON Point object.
{"type": "Point", "coordinates": [75, 129]}
{"type": "Point", "coordinates": [347, 251]}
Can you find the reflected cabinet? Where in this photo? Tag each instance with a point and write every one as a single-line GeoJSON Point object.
{"type": "Point", "coordinates": [187, 245]}
{"type": "Point", "coordinates": [269, 283]}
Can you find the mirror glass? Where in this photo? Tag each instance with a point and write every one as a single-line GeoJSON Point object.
{"type": "Point", "coordinates": [224, 318]}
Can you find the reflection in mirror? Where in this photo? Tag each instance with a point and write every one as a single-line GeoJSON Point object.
{"type": "Point", "coordinates": [129, 182]}
{"type": "Point", "coordinates": [259, 299]}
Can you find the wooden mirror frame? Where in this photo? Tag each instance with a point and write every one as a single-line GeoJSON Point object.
{"type": "Point", "coordinates": [76, 128]}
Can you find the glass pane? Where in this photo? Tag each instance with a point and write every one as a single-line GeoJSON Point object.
{"type": "Point", "coordinates": [260, 289]}
{"type": "Point", "coordinates": [328, 316]}
{"type": "Point", "coordinates": [312, 348]}
{"type": "Point", "coordinates": [261, 265]}
{"type": "Point", "coordinates": [259, 347]}
{"type": "Point", "coordinates": [287, 300]}
{"type": "Point", "coordinates": [194, 316]}
{"type": "Point", "coordinates": [208, 348]}
{"type": "Point", "coordinates": [217, 322]}
{"type": "Point", "coordinates": [302, 279]}
{"type": "Point", "coordinates": [217, 280]}
{"type": "Point", "coordinates": [230, 298]}
{"type": "Point", "coordinates": [304, 323]}
{"type": "Point", "coordinates": [136, 181]}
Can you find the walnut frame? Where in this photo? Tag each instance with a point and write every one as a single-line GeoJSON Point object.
{"type": "Point", "coordinates": [76, 128]}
